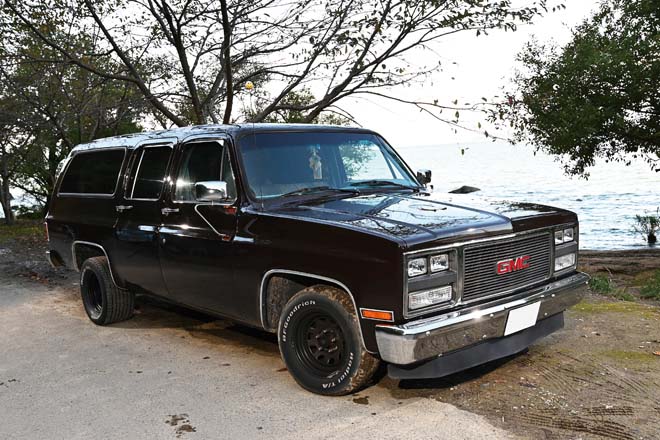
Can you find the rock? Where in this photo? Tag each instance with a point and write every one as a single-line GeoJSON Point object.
{"type": "Point", "coordinates": [465, 189]}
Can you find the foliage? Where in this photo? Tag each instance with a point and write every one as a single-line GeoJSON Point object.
{"type": "Point", "coordinates": [12, 152]}
{"type": "Point", "coordinates": [190, 58]}
{"type": "Point", "coordinates": [648, 226]}
{"type": "Point", "coordinates": [52, 106]}
{"type": "Point", "coordinates": [29, 212]}
{"type": "Point", "coordinates": [601, 284]}
{"type": "Point", "coordinates": [651, 290]}
{"type": "Point", "coordinates": [624, 296]}
{"type": "Point", "coordinates": [22, 229]}
{"type": "Point", "coordinates": [291, 114]}
{"type": "Point", "coordinates": [598, 96]}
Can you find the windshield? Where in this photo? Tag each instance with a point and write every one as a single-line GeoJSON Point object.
{"type": "Point", "coordinates": [292, 163]}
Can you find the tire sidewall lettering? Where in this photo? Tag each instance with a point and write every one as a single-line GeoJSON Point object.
{"type": "Point", "coordinates": [344, 375]}
{"type": "Point", "coordinates": [296, 308]}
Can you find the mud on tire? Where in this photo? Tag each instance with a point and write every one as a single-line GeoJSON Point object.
{"type": "Point", "coordinates": [104, 302]}
{"type": "Point", "coordinates": [320, 342]}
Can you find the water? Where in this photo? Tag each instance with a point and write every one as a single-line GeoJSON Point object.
{"type": "Point", "coordinates": [606, 203]}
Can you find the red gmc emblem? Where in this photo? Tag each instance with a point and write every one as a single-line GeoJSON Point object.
{"type": "Point", "coordinates": [512, 265]}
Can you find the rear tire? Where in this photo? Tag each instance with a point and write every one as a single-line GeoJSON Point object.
{"type": "Point", "coordinates": [104, 302]}
{"type": "Point", "coordinates": [320, 343]}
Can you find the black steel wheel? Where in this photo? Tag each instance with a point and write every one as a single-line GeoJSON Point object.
{"type": "Point", "coordinates": [321, 344]}
{"type": "Point", "coordinates": [103, 301]}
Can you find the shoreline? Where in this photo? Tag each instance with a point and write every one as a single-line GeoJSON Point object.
{"type": "Point", "coordinates": [628, 262]}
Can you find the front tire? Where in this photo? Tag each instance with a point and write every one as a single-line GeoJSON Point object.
{"type": "Point", "coordinates": [320, 343]}
{"type": "Point", "coordinates": [104, 302]}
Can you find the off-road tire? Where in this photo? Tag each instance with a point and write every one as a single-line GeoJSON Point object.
{"type": "Point", "coordinates": [104, 302]}
{"type": "Point", "coordinates": [344, 370]}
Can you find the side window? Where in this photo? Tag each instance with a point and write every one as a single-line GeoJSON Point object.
{"type": "Point", "coordinates": [94, 172]}
{"type": "Point", "coordinates": [203, 161]}
{"type": "Point", "coordinates": [148, 174]}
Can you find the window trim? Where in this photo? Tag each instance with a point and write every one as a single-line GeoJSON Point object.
{"type": "Point", "coordinates": [96, 195]}
{"type": "Point", "coordinates": [140, 150]}
{"type": "Point", "coordinates": [224, 144]}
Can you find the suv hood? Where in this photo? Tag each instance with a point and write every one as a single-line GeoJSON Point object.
{"type": "Point", "coordinates": [422, 218]}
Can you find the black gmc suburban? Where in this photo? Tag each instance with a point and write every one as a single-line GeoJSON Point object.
{"type": "Point", "coordinates": [321, 234]}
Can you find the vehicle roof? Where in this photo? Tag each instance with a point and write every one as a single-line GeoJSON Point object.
{"type": "Point", "coordinates": [181, 133]}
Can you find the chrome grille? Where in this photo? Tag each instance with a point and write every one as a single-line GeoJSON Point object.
{"type": "Point", "coordinates": [480, 266]}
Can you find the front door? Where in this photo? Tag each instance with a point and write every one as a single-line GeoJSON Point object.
{"type": "Point", "coordinates": [196, 247]}
{"type": "Point", "coordinates": [139, 216]}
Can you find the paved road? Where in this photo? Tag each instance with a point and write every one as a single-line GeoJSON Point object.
{"type": "Point", "coordinates": [167, 374]}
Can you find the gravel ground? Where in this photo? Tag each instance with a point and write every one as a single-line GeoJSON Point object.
{"type": "Point", "coordinates": [170, 374]}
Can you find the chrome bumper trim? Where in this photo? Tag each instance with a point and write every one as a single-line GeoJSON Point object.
{"type": "Point", "coordinates": [431, 337]}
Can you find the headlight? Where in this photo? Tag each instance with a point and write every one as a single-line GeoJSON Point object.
{"type": "Point", "coordinates": [564, 236]}
{"type": "Point", "coordinates": [564, 262]}
{"type": "Point", "coordinates": [416, 267]}
{"type": "Point", "coordinates": [418, 300]}
{"type": "Point", "coordinates": [439, 262]}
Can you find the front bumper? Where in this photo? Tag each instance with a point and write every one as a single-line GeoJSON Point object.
{"type": "Point", "coordinates": [432, 337]}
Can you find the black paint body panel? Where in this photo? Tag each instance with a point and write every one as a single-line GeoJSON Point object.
{"type": "Point", "coordinates": [215, 258]}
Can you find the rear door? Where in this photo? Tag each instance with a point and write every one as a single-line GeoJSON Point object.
{"type": "Point", "coordinates": [139, 216]}
{"type": "Point", "coordinates": [196, 238]}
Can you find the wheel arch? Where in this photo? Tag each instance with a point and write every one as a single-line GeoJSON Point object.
{"type": "Point", "coordinates": [272, 298]}
{"type": "Point", "coordinates": [82, 250]}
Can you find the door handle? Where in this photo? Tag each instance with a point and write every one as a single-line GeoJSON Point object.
{"type": "Point", "coordinates": [166, 211]}
{"type": "Point", "coordinates": [122, 208]}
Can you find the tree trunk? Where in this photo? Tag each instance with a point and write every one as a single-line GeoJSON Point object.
{"type": "Point", "coordinates": [5, 200]}
{"type": "Point", "coordinates": [226, 56]}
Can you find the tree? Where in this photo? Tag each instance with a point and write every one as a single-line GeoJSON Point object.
{"type": "Point", "coordinates": [290, 113]}
{"type": "Point", "coordinates": [598, 96]}
{"type": "Point", "coordinates": [49, 107]}
{"type": "Point", "coordinates": [12, 153]}
{"type": "Point", "coordinates": [185, 56]}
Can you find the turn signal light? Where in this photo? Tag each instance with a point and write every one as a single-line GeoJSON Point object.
{"type": "Point", "coordinates": [379, 315]}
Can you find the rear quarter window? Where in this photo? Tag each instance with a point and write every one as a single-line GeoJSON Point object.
{"type": "Point", "coordinates": [94, 172]}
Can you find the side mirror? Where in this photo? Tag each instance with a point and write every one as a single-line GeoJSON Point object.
{"type": "Point", "coordinates": [424, 176]}
{"type": "Point", "coordinates": [212, 191]}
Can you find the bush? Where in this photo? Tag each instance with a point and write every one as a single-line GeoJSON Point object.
{"type": "Point", "coordinates": [651, 290]}
{"type": "Point", "coordinates": [648, 225]}
{"type": "Point", "coordinates": [601, 284]}
{"type": "Point", "coordinates": [28, 212]}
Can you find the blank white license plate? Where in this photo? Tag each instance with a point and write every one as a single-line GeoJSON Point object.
{"type": "Point", "coordinates": [522, 318]}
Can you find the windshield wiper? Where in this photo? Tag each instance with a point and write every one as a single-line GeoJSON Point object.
{"type": "Point", "coordinates": [314, 189]}
{"type": "Point", "coordinates": [376, 182]}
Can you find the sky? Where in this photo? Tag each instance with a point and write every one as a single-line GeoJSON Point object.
{"type": "Point", "coordinates": [483, 66]}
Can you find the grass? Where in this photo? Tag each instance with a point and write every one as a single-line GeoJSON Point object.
{"type": "Point", "coordinates": [601, 284]}
{"type": "Point", "coordinates": [623, 295]}
{"type": "Point", "coordinates": [633, 358]}
{"type": "Point", "coordinates": [651, 288]}
{"type": "Point", "coordinates": [644, 311]}
{"type": "Point", "coordinates": [21, 229]}
{"type": "Point", "coordinates": [604, 286]}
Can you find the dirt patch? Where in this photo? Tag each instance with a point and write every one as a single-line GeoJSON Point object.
{"type": "Point", "coordinates": [185, 427]}
{"type": "Point", "coordinates": [597, 378]}
{"type": "Point", "coordinates": [23, 255]}
{"type": "Point", "coordinates": [628, 275]}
